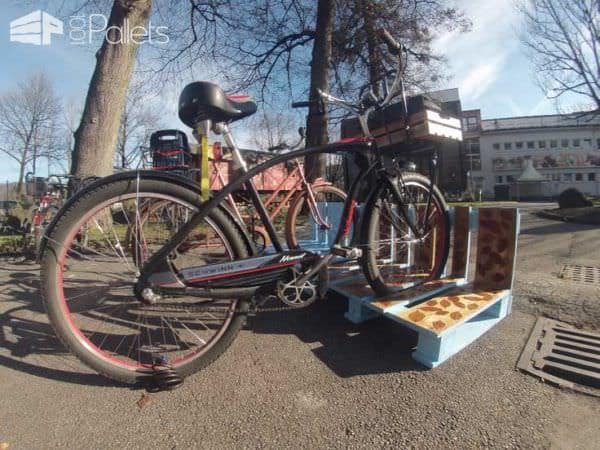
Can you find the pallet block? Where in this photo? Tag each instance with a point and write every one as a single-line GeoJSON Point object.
{"type": "Point", "coordinates": [448, 314]}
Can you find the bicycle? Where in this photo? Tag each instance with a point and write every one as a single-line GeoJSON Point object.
{"type": "Point", "coordinates": [308, 202]}
{"type": "Point", "coordinates": [171, 313]}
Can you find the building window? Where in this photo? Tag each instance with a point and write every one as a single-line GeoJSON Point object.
{"type": "Point", "coordinates": [588, 142]}
{"type": "Point", "coordinates": [496, 146]}
{"type": "Point", "coordinates": [499, 179]}
{"type": "Point", "coordinates": [564, 143]}
{"type": "Point", "coordinates": [576, 143]}
{"type": "Point", "coordinates": [598, 144]}
{"type": "Point", "coordinates": [510, 179]}
{"type": "Point", "coordinates": [519, 144]}
{"type": "Point", "coordinates": [556, 177]}
{"type": "Point", "coordinates": [591, 176]}
{"type": "Point", "coordinates": [578, 177]}
{"type": "Point", "coordinates": [464, 124]}
{"type": "Point", "coordinates": [507, 145]}
{"type": "Point", "coordinates": [568, 177]}
{"type": "Point", "coordinates": [530, 144]}
{"type": "Point", "coordinates": [553, 143]}
{"type": "Point", "coordinates": [541, 144]}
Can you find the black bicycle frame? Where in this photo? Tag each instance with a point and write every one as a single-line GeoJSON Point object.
{"type": "Point", "coordinates": [157, 268]}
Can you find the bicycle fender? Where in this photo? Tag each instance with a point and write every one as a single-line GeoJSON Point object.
{"type": "Point", "coordinates": [147, 174]}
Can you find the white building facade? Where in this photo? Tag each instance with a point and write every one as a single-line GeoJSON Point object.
{"type": "Point", "coordinates": [564, 149]}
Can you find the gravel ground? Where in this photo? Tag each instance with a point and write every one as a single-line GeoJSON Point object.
{"type": "Point", "coordinates": [311, 379]}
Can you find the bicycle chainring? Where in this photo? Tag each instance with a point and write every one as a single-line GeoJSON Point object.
{"type": "Point", "coordinates": [297, 296]}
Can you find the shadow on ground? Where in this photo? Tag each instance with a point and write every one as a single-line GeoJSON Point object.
{"type": "Point", "coordinates": [373, 347]}
{"type": "Point", "coordinates": [26, 337]}
{"type": "Point", "coordinates": [30, 346]}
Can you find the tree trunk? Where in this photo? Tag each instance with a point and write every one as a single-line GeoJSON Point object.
{"type": "Point", "coordinates": [20, 184]}
{"type": "Point", "coordinates": [316, 123]}
{"type": "Point", "coordinates": [365, 10]}
{"type": "Point", "coordinates": [96, 136]}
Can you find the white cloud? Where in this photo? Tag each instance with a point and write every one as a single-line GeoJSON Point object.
{"type": "Point", "coordinates": [479, 78]}
{"type": "Point", "coordinates": [477, 58]}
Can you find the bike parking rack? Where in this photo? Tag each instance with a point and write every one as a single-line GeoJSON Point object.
{"type": "Point", "coordinates": [321, 240]}
{"type": "Point", "coordinates": [449, 313]}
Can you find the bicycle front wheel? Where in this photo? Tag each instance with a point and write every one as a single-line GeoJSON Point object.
{"type": "Point", "coordinates": [393, 257]}
{"type": "Point", "coordinates": [91, 264]}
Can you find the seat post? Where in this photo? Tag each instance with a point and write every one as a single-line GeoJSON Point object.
{"type": "Point", "coordinates": [202, 130]}
{"type": "Point", "coordinates": [235, 151]}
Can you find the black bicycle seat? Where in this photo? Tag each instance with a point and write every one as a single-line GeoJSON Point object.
{"type": "Point", "coordinates": [203, 100]}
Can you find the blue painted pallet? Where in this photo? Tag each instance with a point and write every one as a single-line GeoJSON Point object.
{"type": "Point", "coordinates": [433, 349]}
{"type": "Point", "coordinates": [469, 309]}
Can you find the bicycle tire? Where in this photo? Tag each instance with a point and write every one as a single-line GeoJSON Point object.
{"type": "Point", "coordinates": [54, 298]}
{"type": "Point", "coordinates": [370, 236]}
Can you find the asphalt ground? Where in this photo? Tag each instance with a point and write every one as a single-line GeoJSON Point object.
{"type": "Point", "coordinates": [310, 379]}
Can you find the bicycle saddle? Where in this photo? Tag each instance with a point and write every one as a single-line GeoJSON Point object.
{"type": "Point", "coordinates": [202, 100]}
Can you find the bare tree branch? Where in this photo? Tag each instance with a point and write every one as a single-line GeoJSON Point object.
{"type": "Point", "coordinates": [563, 38]}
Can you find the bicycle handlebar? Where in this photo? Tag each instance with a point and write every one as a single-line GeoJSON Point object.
{"type": "Point", "coordinates": [365, 105]}
{"type": "Point", "coordinates": [393, 46]}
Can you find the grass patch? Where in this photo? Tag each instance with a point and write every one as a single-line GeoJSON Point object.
{"type": "Point", "coordinates": [11, 244]}
{"type": "Point", "coordinates": [482, 203]}
{"type": "Point", "coordinates": [589, 215]}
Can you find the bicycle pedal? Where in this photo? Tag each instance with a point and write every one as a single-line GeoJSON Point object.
{"type": "Point", "coordinates": [346, 252]}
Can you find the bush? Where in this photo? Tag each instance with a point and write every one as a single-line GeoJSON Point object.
{"type": "Point", "coordinates": [572, 198]}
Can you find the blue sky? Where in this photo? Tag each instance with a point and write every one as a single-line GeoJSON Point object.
{"type": "Point", "coordinates": [487, 64]}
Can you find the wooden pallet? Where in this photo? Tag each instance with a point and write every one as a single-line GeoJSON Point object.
{"type": "Point", "coordinates": [450, 313]}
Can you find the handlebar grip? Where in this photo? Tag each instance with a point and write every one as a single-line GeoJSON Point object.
{"type": "Point", "coordinates": [306, 104]}
{"type": "Point", "coordinates": [393, 46]}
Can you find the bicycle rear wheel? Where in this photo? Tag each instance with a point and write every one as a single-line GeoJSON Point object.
{"type": "Point", "coordinates": [393, 258]}
{"type": "Point", "coordinates": [91, 264]}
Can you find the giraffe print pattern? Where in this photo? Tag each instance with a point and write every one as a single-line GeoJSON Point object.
{"type": "Point", "coordinates": [456, 306]}
{"type": "Point", "coordinates": [496, 246]}
{"type": "Point", "coordinates": [411, 293]}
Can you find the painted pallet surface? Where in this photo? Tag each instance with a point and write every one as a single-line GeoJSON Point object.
{"type": "Point", "coordinates": [449, 314]}
{"type": "Point", "coordinates": [448, 323]}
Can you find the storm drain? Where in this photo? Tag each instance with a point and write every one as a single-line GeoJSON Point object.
{"type": "Point", "coordinates": [564, 355]}
{"type": "Point", "coordinates": [580, 274]}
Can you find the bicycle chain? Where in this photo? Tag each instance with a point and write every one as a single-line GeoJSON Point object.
{"type": "Point", "coordinates": [255, 308]}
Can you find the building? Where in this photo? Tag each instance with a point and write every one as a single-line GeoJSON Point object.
{"type": "Point", "coordinates": [531, 157]}
{"type": "Point", "coordinates": [470, 151]}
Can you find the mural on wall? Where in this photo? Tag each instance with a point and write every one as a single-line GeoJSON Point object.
{"type": "Point", "coordinates": [562, 160]}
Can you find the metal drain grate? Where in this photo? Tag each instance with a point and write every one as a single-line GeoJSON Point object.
{"type": "Point", "coordinates": [563, 355]}
{"type": "Point", "coordinates": [580, 274]}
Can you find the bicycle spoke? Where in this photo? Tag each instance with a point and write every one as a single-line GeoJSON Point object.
{"type": "Point", "coordinates": [98, 285]}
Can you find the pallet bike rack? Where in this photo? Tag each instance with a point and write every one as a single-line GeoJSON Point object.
{"type": "Point", "coordinates": [449, 313]}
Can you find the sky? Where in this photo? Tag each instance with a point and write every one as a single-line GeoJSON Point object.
{"type": "Point", "coordinates": [488, 64]}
